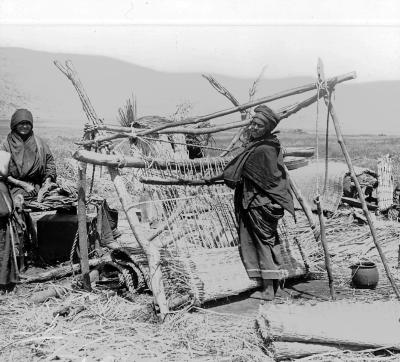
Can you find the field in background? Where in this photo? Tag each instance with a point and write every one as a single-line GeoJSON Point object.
{"type": "Point", "coordinates": [363, 149]}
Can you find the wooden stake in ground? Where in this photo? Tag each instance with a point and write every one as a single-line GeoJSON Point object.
{"type": "Point", "coordinates": [321, 82]}
{"type": "Point", "coordinates": [82, 229]}
{"type": "Point", "coordinates": [325, 247]}
{"type": "Point", "coordinates": [339, 135]}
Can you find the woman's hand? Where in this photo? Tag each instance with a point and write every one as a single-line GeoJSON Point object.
{"type": "Point", "coordinates": [46, 187]}
{"type": "Point", "coordinates": [29, 188]}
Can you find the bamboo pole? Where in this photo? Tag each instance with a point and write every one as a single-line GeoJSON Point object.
{"type": "Point", "coordinates": [82, 229]}
{"type": "Point", "coordinates": [324, 243]}
{"type": "Point", "coordinates": [338, 131]}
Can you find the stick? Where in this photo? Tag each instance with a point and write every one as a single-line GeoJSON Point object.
{"type": "Point", "coordinates": [339, 135]}
{"type": "Point", "coordinates": [357, 203]}
{"type": "Point", "coordinates": [83, 246]}
{"type": "Point", "coordinates": [243, 114]}
{"type": "Point", "coordinates": [236, 137]}
{"type": "Point", "coordinates": [13, 246]}
{"type": "Point", "coordinates": [325, 247]}
{"type": "Point", "coordinates": [62, 271]}
{"type": "Point", "coordinates": [175, 181]}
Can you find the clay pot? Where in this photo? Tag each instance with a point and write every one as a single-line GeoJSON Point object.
{"type": "Point", "coordinates": [364, 275]}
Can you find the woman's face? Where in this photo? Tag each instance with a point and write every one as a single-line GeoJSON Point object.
{"type": "Point", "coordinates": [258, 128]}
{"type": "Point", "coordinates": [23, 128]}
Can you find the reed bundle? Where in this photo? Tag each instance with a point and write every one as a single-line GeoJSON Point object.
{"type": "Point", "coordinates": [386, 183]}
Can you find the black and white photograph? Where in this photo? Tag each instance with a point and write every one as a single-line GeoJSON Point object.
{"type": "Point", "coordinates": [199, 180]}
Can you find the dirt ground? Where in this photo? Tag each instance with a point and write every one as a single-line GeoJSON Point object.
{"type": "Point", "coordinates": [99, 326]}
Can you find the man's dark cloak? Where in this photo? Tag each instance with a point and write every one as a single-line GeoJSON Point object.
{"type": "Point", "coordinates": [262, 163]}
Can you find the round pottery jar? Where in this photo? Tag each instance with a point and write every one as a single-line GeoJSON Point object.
{"type": "Point", "coordinates": [364, 275]}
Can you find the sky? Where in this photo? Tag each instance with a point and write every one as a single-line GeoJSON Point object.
{"type": "Point", "coordinates": [230, 37]}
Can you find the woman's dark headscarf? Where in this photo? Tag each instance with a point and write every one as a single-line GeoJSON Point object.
{"type": "Point", "coordinates": [25, 152]}
{"type": "Point", "coordinates": [20, 115]}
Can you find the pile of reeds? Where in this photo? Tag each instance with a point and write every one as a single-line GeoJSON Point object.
{"type": "Point", "coordinates": [98, 326]}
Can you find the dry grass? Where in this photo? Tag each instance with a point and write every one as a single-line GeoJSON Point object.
{"type": "Point", "coordinates": [97, 326]}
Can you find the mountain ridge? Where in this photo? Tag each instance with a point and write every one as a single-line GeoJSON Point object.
{"type": "Point", "coordinates": [29, 79]}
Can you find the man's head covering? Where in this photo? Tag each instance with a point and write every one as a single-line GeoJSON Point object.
{"type": "Point", "coordinates": [266, 114]}
{"type": "Point", "coordinates": [19, 116]}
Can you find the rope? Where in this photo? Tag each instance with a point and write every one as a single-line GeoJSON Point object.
{"type": "Point", "coordinates": [92, 181]}
{"type": "Point", "coordinates": [71, 254]}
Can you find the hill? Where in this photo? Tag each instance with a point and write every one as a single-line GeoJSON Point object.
{"type": "Point", "coordinates": [30, 79]}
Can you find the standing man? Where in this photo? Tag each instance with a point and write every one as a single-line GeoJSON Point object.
{"type": "Point", "coordinates": [262, 193]}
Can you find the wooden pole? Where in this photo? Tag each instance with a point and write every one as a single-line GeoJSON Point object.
{"type": "Point", "coordinates": [325, 247]}
{"type": "Point", "coordinates": [126, 200]}
{"type": "Point", "coordinates": [126, 132]}
{"type": "Point", "coordinates": [243, 114]}
{"type": "Point", "coordinates": [151, 250]}
{"type": "Point", "coordinates": [338, 130]}
{"type": "Point", "coordinates": [116, 161]}
{"type": "Point", "coordinates": [303, 203]}
{"type": "Point", "coordinates": [82, 229]}
{"type": "Point", "coordinates": [331, 82]}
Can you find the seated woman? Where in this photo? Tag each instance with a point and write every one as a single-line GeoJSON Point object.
{"type": "Point", "coordinates": [32, 168]}
{"type": "Point", "coordinates": [31, 172]}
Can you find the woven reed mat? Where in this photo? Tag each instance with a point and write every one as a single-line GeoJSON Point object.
{"type": "Point", "coordinates": [385, 188]}
{"type": "Point", "coordinates": [212, 273]}
{"type": "Point", "coordinates": [306, 179]}
{"type": "Point", "coordinates": [342, 322]}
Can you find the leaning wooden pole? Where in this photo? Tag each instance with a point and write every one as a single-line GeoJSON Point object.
{"type": "Point", "coordinates": [152, 252]}
{"type": "Point", "coordinates": [331, 83]}
{"type": "Point", "coordinates": [82, 229]}
{"type": "Point", "coordinates": [303, 203]}
{"type": "Point", "coordinates": [324, 244]}
{"type": "Point", "coordinates": [128, 132]}
{"type": "Point", "coordinates": [338, 131]}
